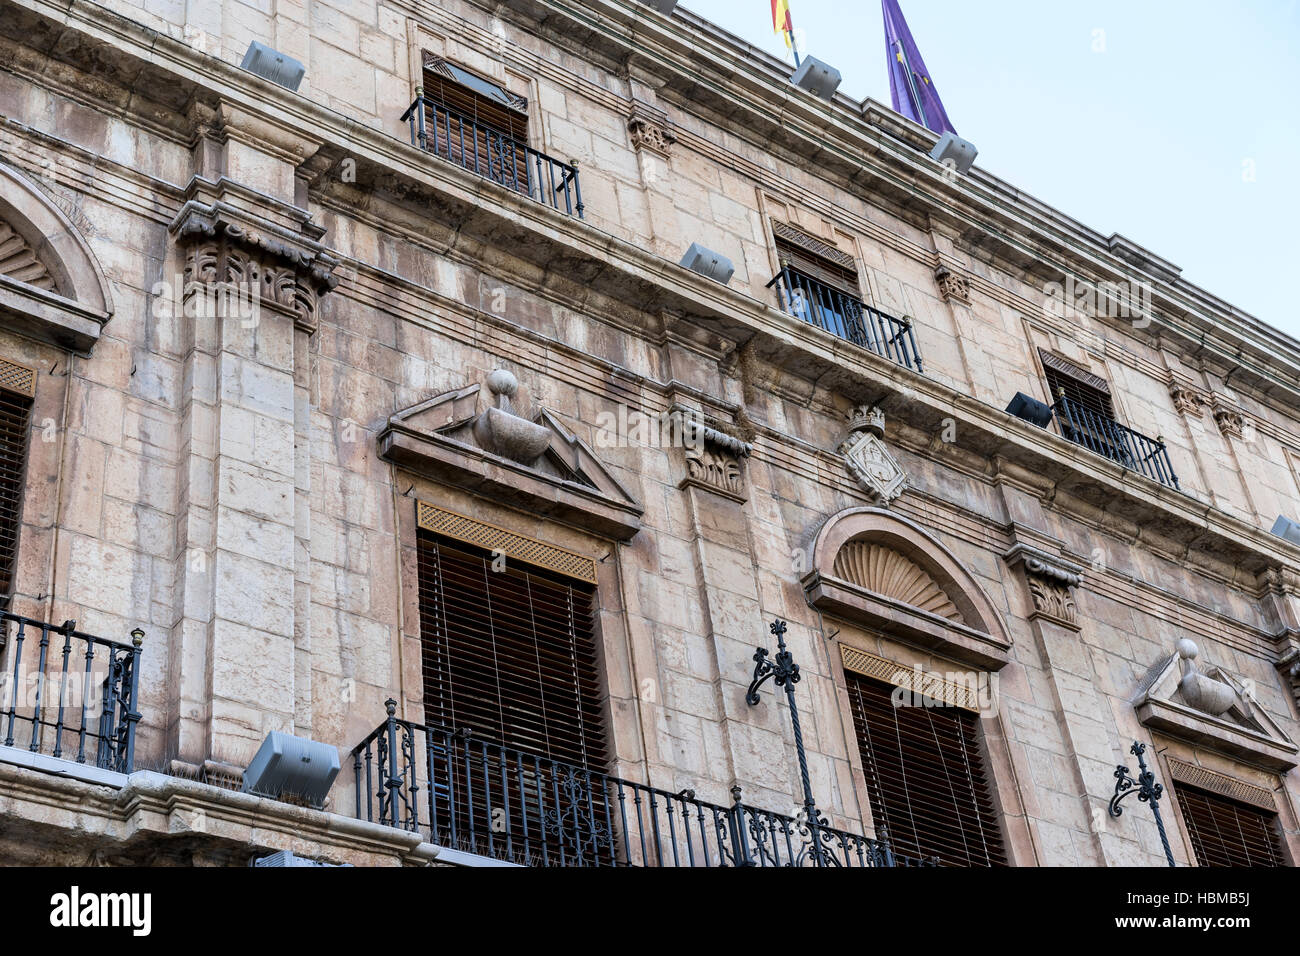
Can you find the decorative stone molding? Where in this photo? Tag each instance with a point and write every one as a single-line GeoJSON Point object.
{"type": "Point", "coordinates": [19, 262]}
{"type": "Point", "coordinates": [1212, 708]}
{"type": "Point", "coordinates": [1225, 786]}
{"type": "Point", "coordinates": [714, 459]}
{"type": "Point", "coordinates": [884, 571]}
{"type": "Point", "coordinates": [868, 460]}
{"type": "Point", "coordinates": [650, 129]}
{"type": "Point", "coordinates": [51, 286]}
{"type": "Point", "coordinates": [953, 286]}
{"type": "Point", "coordinates": [890, 576]}
{"type": "Point", "coordinates": [224, 246]}
{"type": "Point", "coordinates": [1051, 583]}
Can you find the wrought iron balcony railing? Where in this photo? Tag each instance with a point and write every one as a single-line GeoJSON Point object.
{"type": "Point", "coordinates": [469, 794]}
{"type": "Point", "coordinates": [493, 155]}
{"type": "Point", "coordinates": [68, 694]}
{"type": "Point", "coordinates": [846, 316]}
{"type": "Point", "coordinates": [1105, 436]}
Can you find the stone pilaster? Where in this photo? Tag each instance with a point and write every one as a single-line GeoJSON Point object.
{"type": "Point", "coordinates": [252, 273]}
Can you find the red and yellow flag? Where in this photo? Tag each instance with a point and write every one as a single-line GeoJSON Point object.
{"type": "Point", "coordinates": [781, 22]}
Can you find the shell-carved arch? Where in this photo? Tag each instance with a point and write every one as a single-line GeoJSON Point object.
{"type": "Point", "coordinates": [875, 568]}
{"type": "Point", "coordinates": [51, 285]}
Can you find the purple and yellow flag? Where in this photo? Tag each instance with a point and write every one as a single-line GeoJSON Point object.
{"type": "Point", "coordinates": [913, 91]}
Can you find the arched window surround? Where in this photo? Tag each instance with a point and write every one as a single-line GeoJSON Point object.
{"type": "Point", "coordinates": [978, 638]}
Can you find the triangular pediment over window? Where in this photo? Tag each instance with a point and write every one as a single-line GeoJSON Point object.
{"type": "Point", "coordinates": [1205, 705]}
{"type": "Point", "coordinates": [536, 465]}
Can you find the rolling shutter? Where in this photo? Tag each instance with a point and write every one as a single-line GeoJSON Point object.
{"type": "Point", "coordinates": [15, 416]}
{"type": "Point", "coordinates": [509, 655]}
{"type": "Point", "coordinates": [925, 777]}
{"type": "Point", "coordinates": [1226, 832]}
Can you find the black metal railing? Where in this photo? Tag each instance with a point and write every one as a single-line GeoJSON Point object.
{"type": "Point", "coordinates": [470, 794]}
{"type": "Point", "coordinates": [68, 694]}
{"type": "Point", "coordinates": [846, 316]}
{"type": "Point", "coordinates": [493, 155]}
{"type": "Point", "coordinates": [1102, 434]}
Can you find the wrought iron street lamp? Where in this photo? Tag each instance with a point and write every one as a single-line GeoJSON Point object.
{"type": "Point", "coordinates": [1146, 788]}
{"type": "Point", "coordinates": [785, 673]}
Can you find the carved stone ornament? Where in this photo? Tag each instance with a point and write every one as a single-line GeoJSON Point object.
{"type": "Point", "coordinates": [1187, 401]}
{"type": "Point", "coordinates": [473, 438]}
{"type": "Point", "coordinates": [868, 460]}
{"type": "Point", "coordinates": [267, 266]}
{"type": "Point", "coordinates": [1232, 424]}
{"type": "Point", "coordinates": [1211, 707]}
{"type": "Point", "coordinates": [649, 129]}
{"type": "Point", "coordinates": [715, 461]}
{"type": "Point", "coordinates": [953, 286]}
{"type": "Point", "coordinates": [1051, 584]}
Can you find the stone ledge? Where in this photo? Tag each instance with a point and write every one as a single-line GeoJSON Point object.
{"type": "Point", "coordinates": [908, 624]}
{"type": "Point", "coordinates": [1214, 733]}
{"type": "Point", "coordinates": [153, 818]}
{"type": "Point", "coordinates": [509, 482]}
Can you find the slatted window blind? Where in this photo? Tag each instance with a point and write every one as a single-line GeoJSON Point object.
{"type": "Point", "coordinates": [821, 268]}
{"type": "Point", "coordinates": [509, 654]}
{"type": "Point", "coordinates": [925, 777]}
{"type": "Point", "coordinates": [15, 415]}
{"type": "Point", "coordinates": [493, 145]}
{"type": "Point", "coordinates": [1081, 393]}
{"type": "Point", "coordinates": [1225, 832]}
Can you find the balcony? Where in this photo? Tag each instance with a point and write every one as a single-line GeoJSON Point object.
{"type": "Point", "coordinates": [67, 694]}
{"type": "Point", "coordinates": [478, 797]}
{"type": "Point", "coordinates": [846, 316]}
{"type": "Point", "coordinates": [1101, 434]}
{"type": "Point", "coordinates": [493, 155]}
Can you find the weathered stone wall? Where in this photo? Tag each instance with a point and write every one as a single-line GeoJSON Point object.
{"type": "Point", "coordinates": [220, 485]}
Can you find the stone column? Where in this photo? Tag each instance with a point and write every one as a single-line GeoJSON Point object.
{"type": "Point", "coordinates": [253, 272]}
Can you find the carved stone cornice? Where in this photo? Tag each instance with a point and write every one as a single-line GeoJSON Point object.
{"type": "Point", "coordinates": [272, 265]}
{"type": "Point", "coordinates": [1051, 582]}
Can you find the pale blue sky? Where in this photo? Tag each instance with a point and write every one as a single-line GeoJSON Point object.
{"type": "Point", "coordinates": [1149, 138]}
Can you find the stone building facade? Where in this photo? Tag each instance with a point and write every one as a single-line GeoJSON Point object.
{"type": "Point", "coordinates": [267, 344]}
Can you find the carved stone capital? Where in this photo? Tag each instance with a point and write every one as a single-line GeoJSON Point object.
{"type": "Point", "coordinates": [1051, 584]}
{"type": "Point", "coordinates": [263, 264]}
{"type": "Point", "coordinates": [953, 286]}
{"type": "Point", "coordinates": [714, 458]}
{"type": "Point", "coordinates": [1231, 422]}
{"type": "Point", "coordinates": [1187, 401]}
{"type": "Point", "coordinates": [650, 129]}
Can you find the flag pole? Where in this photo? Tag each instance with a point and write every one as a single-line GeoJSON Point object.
{"type": "Point", "coordinates": [911, 84]}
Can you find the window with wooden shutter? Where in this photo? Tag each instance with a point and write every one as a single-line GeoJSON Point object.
{"type": "Point", "coordinates": [816, 259]}
{"type": "Point", "coordinates": [511, 654]}
{"type": "Point", "coordinates": [17, 385]}
{"type": "Point", "coordinates": [477, 123]}
{"type": "Point", "coordinates": [1085, 394]}
{"type": "Point", "coordinates": [930, 795]}
{"type": "Point", "coordinates": [1227, 832]}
